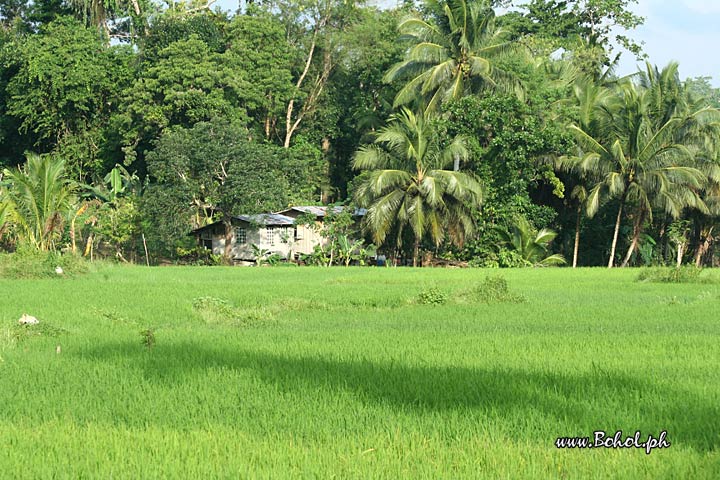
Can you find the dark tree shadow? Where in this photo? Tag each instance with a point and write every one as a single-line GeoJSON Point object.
{"type": "Point", "coordinates": [566, 398]}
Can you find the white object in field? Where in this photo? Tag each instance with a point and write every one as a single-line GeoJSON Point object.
{"type": "Point", "coordinates": [59, 270]}
{"type": "Point", "coordinates": [28, 320]}
{"type": "Point", "coordinates": [58, 349]}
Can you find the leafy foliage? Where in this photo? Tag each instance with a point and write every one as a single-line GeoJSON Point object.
{"type": "Point", "coordinates": [187, 84]}
{"type": "Point", "coordinates": [40, 195]}
{"type": "Point", "coordinates": [432, 296]}
{"type": "Point", "coordinates": [308, 87]}
{"type": "Point", "coordinates": [494, 289]}
{"type": "Point", "coordinates": [532, 247]}
{"type": "Point", "coordinates": [635, 157]}
{"type": "Point", "coordinates": [452, 57]}
{"type": "Point", "coordinates": [409, 185]}
{"type": "Point", "coordinates": [66, 86]}
{"type": "Point", "coordinates": [209, 169]}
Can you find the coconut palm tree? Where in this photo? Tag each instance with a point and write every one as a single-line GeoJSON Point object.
{"type": "Point", "coordinates": [666, 98]}
{"type": "Point", "coordinates": [588, 98]}
{"type": "Point", "coordinates": [702, 130]}
{"type": "Point", "coordinates": [636, 161]}
{"type": "Point", "coordinates": [532, 246]}
{"type": "Point", "coordinates": [40, 195]}
{"type": "Point", "coordinates": [666, 95]}
{"type": "Point", "coordinates": [452, 57]}
{"type": "Point", "coordinates": [409, 186]}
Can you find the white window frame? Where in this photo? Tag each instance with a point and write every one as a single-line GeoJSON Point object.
{"type": "Point", "coordinates": [270, 235]}
{"type": "Point", "coordinates": [241, 235]}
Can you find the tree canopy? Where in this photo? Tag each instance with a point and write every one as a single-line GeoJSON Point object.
{"type": "Point", "coordinates": [411, 112]}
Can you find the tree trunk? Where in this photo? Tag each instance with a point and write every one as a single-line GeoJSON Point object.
{"type": "Point", "coordinates": [456, 163]}
{"type": "Point", "coordinates": [89, 243]}
{"type": "Point", "coordinates": [680, 253]}
{"type": "Point", "coordinates": [662, 240]}
{"type": "Point", "coordinates": [72, 236]}
{"type": "Point", "coordinates": [289, 127]}
{"type": "Point", "coordinates": [577, 236]}
{"type": "Point", "coordinates": [611, 262]}
{"type": "Point", "coordinates": [80, 211]}
{"type": "Point", "coordinates": [147, 257]}
{"type": "Point", "coordinates": [637, 229]}
{"type": "Point", "coordinates": [312, 98]}
{"type": "Point", "coordinates": [228, 239]}
{"type": "Point", "coordinates": [703, 248]}
{"type": "Point", "coordinates": [136, 7]}
{"type": "Point", "coordinates": [416, 250]}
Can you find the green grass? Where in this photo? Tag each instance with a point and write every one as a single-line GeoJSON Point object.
{"type": "Point", "coordinates": [343, 373]}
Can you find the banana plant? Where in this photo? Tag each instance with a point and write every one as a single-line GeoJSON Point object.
{"type": "Point", "coordinates": [260, 254]}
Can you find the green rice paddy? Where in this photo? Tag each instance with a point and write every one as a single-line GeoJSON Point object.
{"type": "Point", "coordinates": [345, 373]}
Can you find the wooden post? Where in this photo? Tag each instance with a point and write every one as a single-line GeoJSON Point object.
{"type": "Point", "coordinates": [147, 258]}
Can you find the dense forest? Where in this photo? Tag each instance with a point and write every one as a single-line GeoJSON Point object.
{"type": "Point", "coordinates": [468, 135]}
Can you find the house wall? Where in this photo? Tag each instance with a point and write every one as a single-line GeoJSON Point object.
{"type": "Point", "coordinates": [305, 243]}
{"type": "Point", "coordinates": [257, 236]}
{"type": "Point", "coordinates": [308, 237]}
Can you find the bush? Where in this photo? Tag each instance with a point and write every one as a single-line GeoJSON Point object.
{"type": "Point", "coordinates": [275, 259]}
{"type": "Point", "coordinates": [432, 296]}
{"type": "Point", "coordinates": [687, 274]}
{"type": "Point", "coordinates": [30, 263]}
{"type": "Point", "coordinates": [494, 289]}
{"type": "Point", "coordinates": [148, 338]}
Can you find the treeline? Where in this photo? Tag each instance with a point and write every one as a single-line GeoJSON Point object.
{"type": "Point", "coordinates": [499, 140]}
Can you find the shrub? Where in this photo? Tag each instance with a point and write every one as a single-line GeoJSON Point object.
{"type": "Point", "coordinates": [275, 259]}
{"type": "Point", "coordinates": [30, 263]}
{"type": "Point", "coordinates": [148, 338]}
{"type": "Point", "coordinates": [687, 274]}
{"type": "Point", "coordinates": [432, 296]}
{"type": "Point", "coordinates": [494, 289]}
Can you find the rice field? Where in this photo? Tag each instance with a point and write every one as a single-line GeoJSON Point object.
{"type": "Point", "coordinates": [185, 372]}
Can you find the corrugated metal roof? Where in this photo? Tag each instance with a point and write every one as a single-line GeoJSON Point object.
{"type": "Point", "coordinates": [320, 211]}
{"type": "Point", "coordinates": [267, 219]}
{"type": "Point", "coordinates": [264, 219]}
{"type": "Point", "coordinates": [275, 219]}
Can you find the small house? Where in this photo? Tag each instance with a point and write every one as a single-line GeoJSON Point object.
{"type": "Point", "coordinates": [270, 232]}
